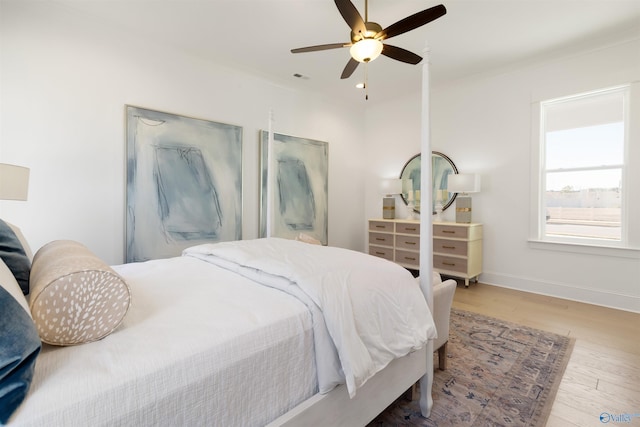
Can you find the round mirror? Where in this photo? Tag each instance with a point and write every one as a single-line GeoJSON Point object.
{"type": "Point", "coordinates": [441, 168]}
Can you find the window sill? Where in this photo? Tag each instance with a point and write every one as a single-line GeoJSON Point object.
{"type": "Point", "coordinates": [619, 252]}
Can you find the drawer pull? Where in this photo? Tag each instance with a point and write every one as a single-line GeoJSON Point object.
{"type": "Point", "coordinates": [449, 263]}
{"type": "Point", "coordinates": [448, 247]}
{"type": "Point", "coordinates": [409, 258]}
{"type": "Point", "coordinates": [379, 253]}
{"type": "Point", "coordinates": [411, 229]}
{"type": "Point", "coordinates": [381, 239]}
{"type": "Point", "coordinates": [449, 231]}
{"type": "Point", "coordinates": [380, 226]}
{"type": "Point", "coordinates": [409, 243]}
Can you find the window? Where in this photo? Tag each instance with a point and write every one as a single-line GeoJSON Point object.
{"type": "Point", "coordinates": [582, 168]}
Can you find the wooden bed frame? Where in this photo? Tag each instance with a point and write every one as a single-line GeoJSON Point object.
{"type": "Point", "coordinates": [337, 409]}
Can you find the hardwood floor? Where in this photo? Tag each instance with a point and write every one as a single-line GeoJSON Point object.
{"type": "Point", "coordinates": [603, 374]}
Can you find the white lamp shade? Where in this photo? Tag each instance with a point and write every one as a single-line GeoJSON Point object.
{"type": "Point", "coordinates": [14, 182]}
{"type": "Point", "coordinates": [366, 50]}
{"type": "Point", "coordinates": [463, 183]}
{"type": "Point", "coordinates": [391, 186]}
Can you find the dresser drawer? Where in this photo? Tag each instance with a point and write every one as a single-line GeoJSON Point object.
{"type": "Point", "coordinates": [449, 263]}
{"type": "Point", "coordinates": [408, 242]}
{"type": "Point", "coordinates": [452, 247]}
{"type": "Point", "coordinates": [407, 257]}
{"type": "Point", "coordinates": [386, 253]}
{"type": "Point", "coordinates": [408, 228]}
{"type": "Point", "coordinates": [381, 239]}
{"type": "Point", "coordinates": [381, 226]}
{"type": "Point", "coordinates": [450, 231]}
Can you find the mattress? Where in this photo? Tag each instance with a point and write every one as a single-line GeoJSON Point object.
{"type": "Point", "coordinates": [200, 346]}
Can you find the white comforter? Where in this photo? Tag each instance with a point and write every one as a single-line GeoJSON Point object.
{"type": "Point", "coordinates": [368, 310]}
{"type": "Point", "coordinates": [200, 346]}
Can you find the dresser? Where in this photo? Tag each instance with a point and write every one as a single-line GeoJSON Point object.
{"type": "Point", "coordinates": [457, 248]}
{"type": "Point", "coordinates": [397, 240]}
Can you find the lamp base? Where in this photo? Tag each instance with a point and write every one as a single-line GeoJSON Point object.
{"type": "Point", "coordinates": [389, 208]}
{"type": "Point", "coordinates": [411, 211]}
{"type": "Point", "coordinates": [437, 217]}
{"type": "Point", "coordinates": [463, 209]}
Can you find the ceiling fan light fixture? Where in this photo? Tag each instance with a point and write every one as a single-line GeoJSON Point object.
{"type": "Point", "coordinates": [366, 50]}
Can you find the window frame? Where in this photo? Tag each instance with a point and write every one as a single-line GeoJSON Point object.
{"type": "Point", "coordinates": [623, 247]}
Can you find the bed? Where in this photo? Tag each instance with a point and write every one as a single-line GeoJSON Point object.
{"type": "Point", "coordinates": [254, 332]}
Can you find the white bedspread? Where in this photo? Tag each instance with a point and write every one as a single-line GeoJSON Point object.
{"type": "Point", "coordinates": [200, 346]}
{"type": "Point", "coordinates": [373, 309]}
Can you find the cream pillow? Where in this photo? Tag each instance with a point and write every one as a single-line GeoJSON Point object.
{"type": "Point", "coordinates": [75, 297]}
{"type": "Point", "coordinates": [302, 237]}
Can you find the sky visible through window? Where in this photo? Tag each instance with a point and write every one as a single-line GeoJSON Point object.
{"type": "Point", "coordinates": [587, 147]}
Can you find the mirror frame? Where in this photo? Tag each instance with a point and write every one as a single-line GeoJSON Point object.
{"type": "Point", "coordinates": [441, 167]}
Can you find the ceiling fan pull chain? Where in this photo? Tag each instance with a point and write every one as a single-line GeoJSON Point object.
{"type": "Point", "coordinates": [366, 81]}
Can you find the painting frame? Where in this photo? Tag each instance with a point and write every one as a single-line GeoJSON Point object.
{"type": "Point", "coordinates": [301, 182]}
{"type": "Point", "coordinates": [183, 183]}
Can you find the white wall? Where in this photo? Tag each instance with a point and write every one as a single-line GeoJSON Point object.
{"type": "Point", "coordinates": [393, 137]}
{"type": "Point", "coordinates": [483, 124]}
{"type": "Point", "coordinates": [65, 81]}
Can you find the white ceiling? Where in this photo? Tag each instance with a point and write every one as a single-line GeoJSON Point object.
{"type": "Point", "coordinates": [475, 36]}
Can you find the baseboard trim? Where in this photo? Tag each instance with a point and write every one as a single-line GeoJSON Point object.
{"type": "Point", "coordinates": [561, 290]}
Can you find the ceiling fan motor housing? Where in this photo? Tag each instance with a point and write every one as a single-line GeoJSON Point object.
{"type": "Point", "coordinates": [373, 28]}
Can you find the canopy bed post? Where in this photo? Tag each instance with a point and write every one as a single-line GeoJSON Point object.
{"type": "Point", "coordinates": [426, 241]}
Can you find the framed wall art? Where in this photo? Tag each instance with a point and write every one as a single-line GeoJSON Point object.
{"type": "Point", "coordinates": [300, 186]}
{"type": "Point", "coordinates": [184, 183]}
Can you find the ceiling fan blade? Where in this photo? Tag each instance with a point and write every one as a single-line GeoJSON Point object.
{"type": "Point", "coordinates": [320, 47]}
{"type": "Point", "coordinates": [349, 68]}
{"type": "Point", "coordinates": [412, 22]}
{"type": "Point", "coordinates": [351, 16]}
{"type": "Point", "coordinates": [400, 54]}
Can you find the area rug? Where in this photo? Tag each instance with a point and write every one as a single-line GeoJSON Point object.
{"type": "Point", "coordinates": [498, 374]}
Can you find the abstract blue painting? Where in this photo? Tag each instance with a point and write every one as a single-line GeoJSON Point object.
{"type": "Point", "coordinates": [184, 183]}
{"type": "Point", "coordinates": [300, 183]}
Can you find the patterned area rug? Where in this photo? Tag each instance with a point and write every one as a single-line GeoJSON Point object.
{"type": "Point", "coordinates": [498, 374]}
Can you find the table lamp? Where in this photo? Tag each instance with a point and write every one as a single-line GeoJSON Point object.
{"type": "Point", "coordinates": [463, 184]}
{"type": "Point", "coordinates": [390, 187]}
{"type": "Point", "coordinates": [14, 182]}
{"type": "Point", "coordinates": [14, 185]}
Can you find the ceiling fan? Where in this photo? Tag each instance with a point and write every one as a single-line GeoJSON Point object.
{"type": "Point", "coordinates": [367, 37]}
